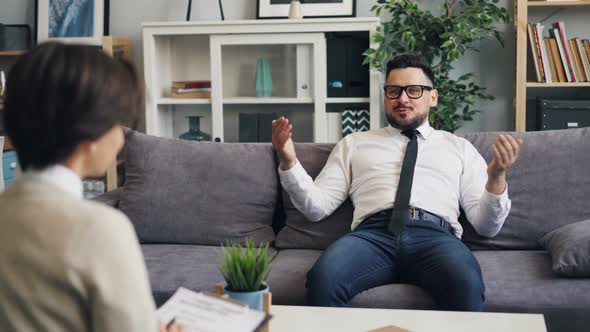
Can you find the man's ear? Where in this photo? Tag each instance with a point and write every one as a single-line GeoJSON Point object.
{"type": "Point", "coordinates": [433, 98]}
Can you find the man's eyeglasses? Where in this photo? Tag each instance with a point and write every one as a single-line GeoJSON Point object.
{"type": "Point", "coordinates": [413, 91]}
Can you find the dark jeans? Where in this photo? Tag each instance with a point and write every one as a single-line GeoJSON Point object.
{"type": "Point", "coordinates": [426, 255]}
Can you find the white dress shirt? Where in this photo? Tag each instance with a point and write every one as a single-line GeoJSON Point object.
{"type": "Point", "coordinates": [449, 173]}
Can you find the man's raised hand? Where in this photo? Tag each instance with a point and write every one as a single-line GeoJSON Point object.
{"type": "Point", "coordinates": [283, 143]}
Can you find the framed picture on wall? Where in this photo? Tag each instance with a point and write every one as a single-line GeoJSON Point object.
{"type": "Point", "coordinates": [310, 8]}
{"type": "Point", "coordinates": [71, 21]}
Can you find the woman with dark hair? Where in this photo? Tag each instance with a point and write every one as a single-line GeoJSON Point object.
{"type": "Point", "coordinates": [67, 264]}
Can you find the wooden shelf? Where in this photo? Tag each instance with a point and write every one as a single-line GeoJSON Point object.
{"type": "Point", "coordinates": [558, 85]}
{"type": "Point", "coordinates": [359, 100]}
{"type": "Point", "coordinates": [12, 53]}
{"type": "Point", "coordinates": [267, 100]}
{"type": "Point", "coordinates": [183, 101]}
{"type": "Point", "coordinates": [558, 3]}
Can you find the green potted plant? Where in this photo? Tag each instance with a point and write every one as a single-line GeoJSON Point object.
{"type": "Point", "coordinates": [244, 269]}
{"type": "Point", "coordinates": [442, 40]}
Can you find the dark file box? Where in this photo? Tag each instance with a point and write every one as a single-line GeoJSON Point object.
{"type": "Point", "coordinates": [562, 114]}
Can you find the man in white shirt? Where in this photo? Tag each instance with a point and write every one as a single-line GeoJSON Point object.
{"type": "Point", "coordinates": [407, 182]}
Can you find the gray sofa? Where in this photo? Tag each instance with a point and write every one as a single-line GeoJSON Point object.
{"type": "Point", "coordinates": [186, 198]}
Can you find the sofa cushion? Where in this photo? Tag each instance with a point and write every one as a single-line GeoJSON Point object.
{"type": "Point", "coordinates": [183, 192]}
{"type": "Point", "coordinates": [300, 233]}
{"type": "Point", "coordinates": [286, 278]}
{"type": "Point", "coordinates": [522, 281]}
{"type": "Point", "coordinates": [172, 266]}
{"type": "Point", "coordinates": [548, 186]}
{"type": "Point", "coordinates": [569, 247]}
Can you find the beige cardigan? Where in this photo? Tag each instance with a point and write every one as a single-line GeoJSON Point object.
{"type": "Point", "coordinates": [67, 264]}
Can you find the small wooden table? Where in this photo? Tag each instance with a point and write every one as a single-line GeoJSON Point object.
{"type": "Point", "coordinates": [322, 319]}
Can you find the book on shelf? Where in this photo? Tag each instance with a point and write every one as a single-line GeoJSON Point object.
{"type": "Point", "coordinates": [546, 72]}
{"type": "Point", "coordinates": [191, 89]}
{"type": "Point", "coordinates": [586, 44]}
{"type": "Point", "coordinates": [198, 311]}
{"type": "Point", "coordinates": [551, 61]}
{"type": "Point", "coordinates": [562, 55]}
{"type": "Point", "coordinates": [187, 90]}
{"type": "Point", "coordinates": [583, 57]}
{"type": "Point", "coordinates": [577, 61]}
{"type": "Point", "coordinates": [534, 53]}
{"type": "Point", "coordinates": [568, 56]}
{"type": "Point", "coordinates": [554, 50]}
{"type": "Point", "coordinates": [195, 94]}
{"type": "Point", "coordinates": [191, 84]}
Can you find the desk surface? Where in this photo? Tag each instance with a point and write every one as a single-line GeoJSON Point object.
{"type": "Point", "coordinates": [321, 319]}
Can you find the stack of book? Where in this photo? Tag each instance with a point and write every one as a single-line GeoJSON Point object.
{"type": "Point", "coordinates": [557, 58]}
{"type": "Point", "coordinates": [191, 89]}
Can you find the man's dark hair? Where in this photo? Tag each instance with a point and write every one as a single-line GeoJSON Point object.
{"type": "Point", "coordinates": [58, 96]}
{"type": "Point", "coordinates": [410, 61]}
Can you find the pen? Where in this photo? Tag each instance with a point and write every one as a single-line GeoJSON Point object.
{"type": "Point", "coordinates": [170, 323]}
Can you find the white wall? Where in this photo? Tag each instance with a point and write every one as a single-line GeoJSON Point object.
{"type": "Point", "coordinates": [494, 65]}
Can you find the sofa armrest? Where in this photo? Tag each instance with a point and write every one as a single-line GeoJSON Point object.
{"type": "Point", "coordinates": [110, 198]}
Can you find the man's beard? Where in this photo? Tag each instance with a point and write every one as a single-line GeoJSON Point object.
{"type": "Point", "coordinates": [417, 122]}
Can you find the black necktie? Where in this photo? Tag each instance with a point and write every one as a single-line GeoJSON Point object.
{"type": "Point", "coordinates": [404, 189]}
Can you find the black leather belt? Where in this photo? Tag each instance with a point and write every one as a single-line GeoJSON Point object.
{"type": "Point", "coordinates": [381, 218]}
{"type": "Point", "coordinates": [416, 214]}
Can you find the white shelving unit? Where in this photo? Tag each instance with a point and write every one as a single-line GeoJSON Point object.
{"type": "Point", "coordinates": [226, 52]}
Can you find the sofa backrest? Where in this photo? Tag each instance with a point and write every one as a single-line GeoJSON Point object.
{"type": "Point", "coordinates": [298, 232]}
{"type": "Point", "coordinates": [548, 187]}
{"type": "Point", "coordinates": [183, 192]}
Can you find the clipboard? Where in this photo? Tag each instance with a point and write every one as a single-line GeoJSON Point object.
{"type": "Point", "coordinates": [209, 312]}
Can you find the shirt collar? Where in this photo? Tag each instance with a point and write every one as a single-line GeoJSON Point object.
{"type": "Point", "coordinates": [425, 130]}
{"type": "Point", "coordinates": [62, 177]}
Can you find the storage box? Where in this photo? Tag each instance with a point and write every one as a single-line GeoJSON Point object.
{"type": "Point", "coordinates": [562, 114]}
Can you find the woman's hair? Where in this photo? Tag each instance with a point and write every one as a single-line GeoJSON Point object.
{"type": "Point", "coordinates": [58, 96]}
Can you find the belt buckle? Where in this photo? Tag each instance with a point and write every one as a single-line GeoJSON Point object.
{"type": "Point", "coordinates": [413, 213]}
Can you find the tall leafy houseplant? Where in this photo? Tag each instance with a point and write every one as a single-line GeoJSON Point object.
{"type": "Point", "coordinates": [442, 40]}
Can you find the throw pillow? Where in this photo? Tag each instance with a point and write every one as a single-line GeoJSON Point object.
{"type": "Point", "coordinates": [569, 247]}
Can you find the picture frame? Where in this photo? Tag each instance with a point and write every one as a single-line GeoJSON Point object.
{"type": "Point", "coordinates": [269, 9]}
{"type": "Point", "coordinates": [71, 21]}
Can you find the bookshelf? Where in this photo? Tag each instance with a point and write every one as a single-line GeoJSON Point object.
{"type": "Point", "coordinates": [226, 54]}
{"type": "Point", "coordinates": [526, 89]}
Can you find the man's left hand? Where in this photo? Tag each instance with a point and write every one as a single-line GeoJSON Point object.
{"type": "Point", "coordinates": [505, 151]}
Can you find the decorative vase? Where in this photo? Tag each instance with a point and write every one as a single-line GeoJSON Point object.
{"type": "Point", "coordinates": [252, 299]}
{"type": "Point", "coordinates": [263, 79]}
{"type": "Point", "coordinates": [194, 132]}
{"type": "Point", "coordinates": [295, 11]}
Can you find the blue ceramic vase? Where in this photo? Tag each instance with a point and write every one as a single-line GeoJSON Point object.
{"type": "Point", "coordinates": [252, 299]}
{"type": "Point", "coordinates": [263, 79]}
